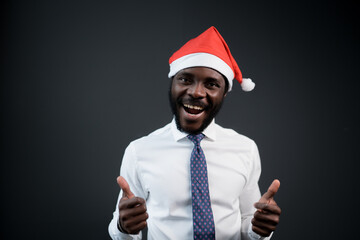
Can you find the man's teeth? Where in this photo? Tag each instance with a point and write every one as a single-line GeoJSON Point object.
{"type": "Point", "coordinates": [193, 107]}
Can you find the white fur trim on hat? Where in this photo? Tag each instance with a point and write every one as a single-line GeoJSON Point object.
{"type": "Point", "coordinates": [247, 84]}
{"type": "Point", "coordinates": [202, 60]}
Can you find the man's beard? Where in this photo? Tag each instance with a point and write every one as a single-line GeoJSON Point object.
{"type": "Point", "coordinates": [214, 111]}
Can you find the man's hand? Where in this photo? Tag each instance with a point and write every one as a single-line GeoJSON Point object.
{"type": "Point", "coordinates": [132, 210]}
{"type": "Point", "coordinates": [268, 214]}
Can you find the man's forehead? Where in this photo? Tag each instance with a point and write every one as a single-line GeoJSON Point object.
{"type": "Point", "coordinates": [205, 72]}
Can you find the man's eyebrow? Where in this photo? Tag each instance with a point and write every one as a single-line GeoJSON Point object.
{"type": "Point", "coordinates": [211, 79]}
{"type": "Point", "coordinates": [186, 74]}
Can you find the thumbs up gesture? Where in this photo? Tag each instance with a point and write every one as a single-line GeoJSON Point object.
{"type": "Point", "coordinates": [132, 210]}
{"type": "Point", "coordinates": [268, 212]}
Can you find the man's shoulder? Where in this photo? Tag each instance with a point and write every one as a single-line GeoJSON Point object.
{"type": "Point", "coordinates": [228, 134]}
{"type": "Point", "coordinates": [161, 133]}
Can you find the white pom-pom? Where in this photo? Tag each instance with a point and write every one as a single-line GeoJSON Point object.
{"type": "Point", "coordinates": [247, 84]}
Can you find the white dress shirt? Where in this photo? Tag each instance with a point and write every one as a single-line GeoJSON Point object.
{"type": "Point", "coordinates": [157, 168]}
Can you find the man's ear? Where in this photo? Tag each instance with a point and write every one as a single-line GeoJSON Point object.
{"type": "Point", "coordinates": [226, 85]}
{"type": "Point", "coordinates": [171, 82]}
{"type": "Point", "coordinates": [226, 90]}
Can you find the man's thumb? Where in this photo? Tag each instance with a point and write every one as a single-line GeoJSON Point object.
{"type": "Point", "coordinates": [272, 190]}
{"type": "Point", "coordinates": [125, 187]}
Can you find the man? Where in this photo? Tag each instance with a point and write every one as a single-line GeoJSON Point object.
{"type": "Point", "coordinates": [193, 179]}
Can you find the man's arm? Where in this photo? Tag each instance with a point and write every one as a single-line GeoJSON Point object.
{"type": "Point", "coordinates": [130, 214]}
{"type": "Point", "coordinates": [268, 212]}
{"type": "Point", "coordinates": [253, 226]}
{"type": "Point", "coordinates": [132, 210]}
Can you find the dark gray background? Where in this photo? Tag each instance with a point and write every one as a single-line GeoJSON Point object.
{"type": "Point", "coordinates": [80, 79]}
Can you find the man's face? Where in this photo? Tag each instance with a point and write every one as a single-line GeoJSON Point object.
{"type": "Point", "coordinates": [196, 96]}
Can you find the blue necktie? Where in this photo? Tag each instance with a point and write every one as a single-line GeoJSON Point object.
{"type": "Point", "coordinates": [203, 221]}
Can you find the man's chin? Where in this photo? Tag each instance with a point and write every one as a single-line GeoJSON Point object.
{"type": "Point", "coordinates": [192, 126]}
{"type": "Point", "coordinates": [192, 130]}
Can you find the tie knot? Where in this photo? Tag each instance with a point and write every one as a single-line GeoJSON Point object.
{"type": "Point", "coordinates": [196, 138]}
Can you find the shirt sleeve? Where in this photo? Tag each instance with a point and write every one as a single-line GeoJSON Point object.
{"type": "Point", "coordinates": [129, 170]}
{"type": "Point", "coordinates": [250, 195]}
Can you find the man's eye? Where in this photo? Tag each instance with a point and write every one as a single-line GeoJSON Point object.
{"type": "Point", "coordinates": [212, 84]}
{"type": "Point", "coordinates": [184, 80]}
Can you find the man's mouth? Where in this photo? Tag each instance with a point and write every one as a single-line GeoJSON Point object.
{"type": "Point", "coordinates": [193, 109]}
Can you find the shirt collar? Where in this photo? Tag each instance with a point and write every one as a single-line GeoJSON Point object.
{"type": "Point", "coordinates": [209, 132]}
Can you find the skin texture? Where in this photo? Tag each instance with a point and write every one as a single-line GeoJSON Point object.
{"type": "Point", "coordinates": [203, 89]}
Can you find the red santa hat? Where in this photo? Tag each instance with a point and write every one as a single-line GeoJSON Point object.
{"type": "Point", "coordinates": [209, 49]}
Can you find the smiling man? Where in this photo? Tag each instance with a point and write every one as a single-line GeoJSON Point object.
{"type": "Point", "coordinates": [196, 96]}
{"type": "Point", "coordinates": [194, 179]}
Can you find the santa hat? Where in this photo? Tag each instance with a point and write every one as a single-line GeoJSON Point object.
{"type": "Point", "coordinates": [209, 49]}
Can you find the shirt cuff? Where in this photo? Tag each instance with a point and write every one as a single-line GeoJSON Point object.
{"type": "Point", "coordinates": [115, 234]}
{"type": "Point", "coordinates": [118, 225]}
{"type": "Point", "coordinates": [255, 236]}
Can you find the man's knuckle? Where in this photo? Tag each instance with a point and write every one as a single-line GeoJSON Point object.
{"type": "Point", "coordinates": [121, 216]}
{"type": "Point", "coordinates": [126, 225]}
{"type": "Point", "coordinates": [121, 206]}
{"type": "Point", "coordinates": [124, 215]}
{"type": "Point", "coordinates": [277, 219]}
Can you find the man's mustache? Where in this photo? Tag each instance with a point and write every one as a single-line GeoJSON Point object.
{"type": "Point", "coordinates": [194, 102]}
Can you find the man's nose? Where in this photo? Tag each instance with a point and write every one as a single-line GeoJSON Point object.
{"type": "Point", "coordinates": [197, 91]}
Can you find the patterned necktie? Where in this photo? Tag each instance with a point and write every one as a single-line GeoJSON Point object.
{"type": "Point", "coordinates": [203, 221]}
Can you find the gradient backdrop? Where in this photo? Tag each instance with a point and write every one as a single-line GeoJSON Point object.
{"type": "Point", "coordinates": [81, 79]}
